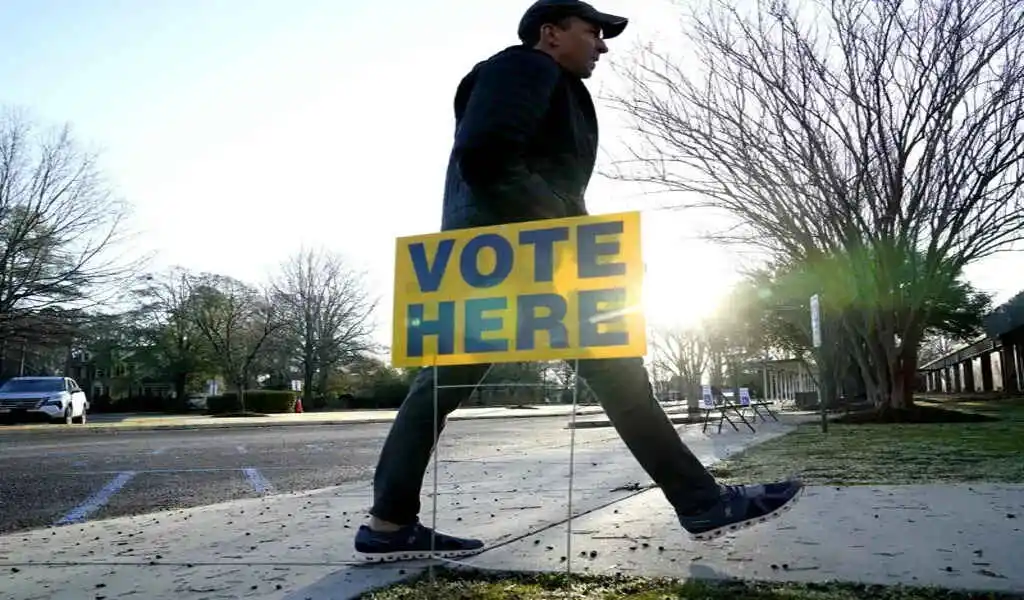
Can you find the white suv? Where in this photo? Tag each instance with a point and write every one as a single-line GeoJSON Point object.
{"type": "Point", "coordinates": [56, 398]}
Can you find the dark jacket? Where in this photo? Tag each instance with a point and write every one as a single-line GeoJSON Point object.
{"type": "Point", "coordinates": [525, 142]}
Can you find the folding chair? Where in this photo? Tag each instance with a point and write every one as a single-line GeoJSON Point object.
{"type": "Point", "coordinates": [746, 402]}
{"type": "Point", "coordinates": [708, 405]}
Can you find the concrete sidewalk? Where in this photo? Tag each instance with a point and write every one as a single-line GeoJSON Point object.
{"type": "Point", "coordinates": [300, 545]}
{"type": "Point", "coordinates": [107, 423]}
{"type": "Point", "coordinates": [959, 537]}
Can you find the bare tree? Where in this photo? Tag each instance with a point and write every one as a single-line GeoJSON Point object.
{"type": "Point", "coordinates": [166, 319]}
{"type": "Point", "coordinates": [59, 226]}
{"type": "Point", "coordinates": [236, 320]}
{"type": "Point", "coordinates": [684, 353]}
{"type": "Point", "coordinates": [935, 347]}
{"type": "Point", "coordinates": [883, 138]}
{"type": "Point", "coordinates": [327, 313]}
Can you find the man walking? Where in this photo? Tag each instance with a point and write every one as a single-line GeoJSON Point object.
{"type": "Point", "coordinates": [525, 147]}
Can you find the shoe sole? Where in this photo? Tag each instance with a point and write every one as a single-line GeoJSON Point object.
{"type": "Point", "coordinates": [388, 557]}
{"type": "Point", "coordinates": [741, 525]}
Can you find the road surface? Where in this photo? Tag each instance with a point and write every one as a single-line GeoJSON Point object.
{"type": "Point", "coordinates": [63, 479]}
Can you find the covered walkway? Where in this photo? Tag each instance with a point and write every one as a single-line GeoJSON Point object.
{"type": "Point", "coordinates": [994, 363]}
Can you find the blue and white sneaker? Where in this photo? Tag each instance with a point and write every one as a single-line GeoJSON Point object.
{"type": "Point", "coordinates": [742, 506]}
{"type": "Point", "coordinates": [412, 542]}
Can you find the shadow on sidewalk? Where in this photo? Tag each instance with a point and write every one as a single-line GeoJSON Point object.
{"type": "Point", "coordinates": [356, 580]}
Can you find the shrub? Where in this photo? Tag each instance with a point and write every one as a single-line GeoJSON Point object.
{"type": "Point", "coordinates": [340, 402]}
{"type": "Point", "coordinates": [262, 401]}
{"type": "Point", "coordinates": [388, 394]}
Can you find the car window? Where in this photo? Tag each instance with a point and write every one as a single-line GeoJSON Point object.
{"type": "Point", "coordinates": [32, 385]}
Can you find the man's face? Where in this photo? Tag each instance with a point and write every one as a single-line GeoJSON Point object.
{"type": "Point", "coordinates": [577, 47]}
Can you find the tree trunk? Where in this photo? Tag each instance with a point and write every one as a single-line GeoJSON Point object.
{"type": "Point", "coordinates": [692, 392]}
{"type": "Point", "coordinates": [240, 385]}
{"type": "Point", "coordinates": [716, 368]}
{"type": "Point", "coordinates": [308, 373]}
{"type": "Point", "coordinates": [322, 379]}
{"type": "Point", "coordinates": [904, 378]}
{"type": "Point", "coordinates": [858, 347]}
{"type": "Point", "coordinates": [180, 383]}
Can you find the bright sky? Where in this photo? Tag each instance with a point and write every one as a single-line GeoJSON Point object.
{"type": "Point", "coordinates": [243, 129]}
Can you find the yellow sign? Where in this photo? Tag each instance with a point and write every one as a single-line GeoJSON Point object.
{"type": "Point", "coordinates": [543, 290]}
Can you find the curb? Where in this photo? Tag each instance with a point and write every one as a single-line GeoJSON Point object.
{"type": "Point", "coordinates": [687, 420]}
{"type": "Point", "coordinates": [101, 429]}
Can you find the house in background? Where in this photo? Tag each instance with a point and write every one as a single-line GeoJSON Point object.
{"type": "Point", "coordinates": [116, 379]}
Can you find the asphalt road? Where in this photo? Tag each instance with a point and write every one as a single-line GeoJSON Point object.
{"type": "Point", "coordinates": [59, 479]}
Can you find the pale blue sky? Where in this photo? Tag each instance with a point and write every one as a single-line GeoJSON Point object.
{"type": "Point", "coordinates": [241, 129]}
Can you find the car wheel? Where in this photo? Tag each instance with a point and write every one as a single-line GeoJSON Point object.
{"type": "Point", "coordinates": [82, 419]}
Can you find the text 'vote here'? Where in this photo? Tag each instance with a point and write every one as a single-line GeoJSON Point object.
{"type": "Point", "coordinates": [543, 290]}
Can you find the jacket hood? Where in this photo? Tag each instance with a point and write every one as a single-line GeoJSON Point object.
{"type": "Point", "coordinates": [465, 88]}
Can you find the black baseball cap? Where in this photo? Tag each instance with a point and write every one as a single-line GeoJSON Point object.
{"type": "Point", "coordinates": [546, 11]}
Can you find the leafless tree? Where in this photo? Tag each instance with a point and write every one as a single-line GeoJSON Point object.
{"type": "Point", "coordinates": [684, 353]}
{"type": "Point", "coordinates": [884, 138]}
{"type": "Point", "coordinates": [236, 320]}
{"type": "Point", "coordinates": [936, 346]}
{"type": "Point", "coordinates": [167, 320]}
{"type": "Point", "coordinates": [60, 226]}
{"type": "Point", "coordinates": [327, 312]}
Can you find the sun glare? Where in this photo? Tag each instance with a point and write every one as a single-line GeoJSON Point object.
{"type": "Point", "coordinates": [685, 282]}
{"type": "Point", "coordinates": [675, 304]}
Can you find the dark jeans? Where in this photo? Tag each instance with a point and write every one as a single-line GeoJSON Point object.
{"type": "Point", "coordinates": [621, 385]}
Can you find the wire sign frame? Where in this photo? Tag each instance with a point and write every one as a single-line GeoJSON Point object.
{"type": "Point", "coordinates": [560, 289]}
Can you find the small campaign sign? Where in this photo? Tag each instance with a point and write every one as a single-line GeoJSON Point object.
{"type": "Point", "coordinates": [707, 398]}
{"type": "Point", "coordinates": [744, 396]}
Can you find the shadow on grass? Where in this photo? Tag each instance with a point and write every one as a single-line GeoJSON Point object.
{"type": "Point", "coordinates": [985, 448]}
{"type": "Point", "coordinates": [454, 585]}
{"type": "Point", "coordinates": [920, 413]}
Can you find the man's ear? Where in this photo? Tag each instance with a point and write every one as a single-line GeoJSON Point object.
{"type": "Point", "coordinates": [548, 33]}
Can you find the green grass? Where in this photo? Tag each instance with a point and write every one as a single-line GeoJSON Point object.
{"type": "Point", "coordinates": [895, 453]}
{"type": "Point", "coordinates": [455, 586]}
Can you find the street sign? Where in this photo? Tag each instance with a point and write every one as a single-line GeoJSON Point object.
{"type": "Point", "coordinates": [816, 320]}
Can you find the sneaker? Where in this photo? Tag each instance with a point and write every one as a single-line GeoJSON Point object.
{"type": "Point", "coordinates": [411, 543]}
{"type": "Point", "coordinates": [742, 506]}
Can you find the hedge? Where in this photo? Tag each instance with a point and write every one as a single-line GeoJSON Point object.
{"type": "Point", "coordinates": [383, 395]}
{"type": "Point", "coordinates": [261, 401]}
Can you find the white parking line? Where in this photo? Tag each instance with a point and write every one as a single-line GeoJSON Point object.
{"type": "Point", "coordinates": [170, 471]}
{"type": "Point", "coordinates": [241, 449]}
{"type": "Point", "coordinates": [97, 500]}
{"type": "Point", "coordinates": [158, 451]}
{"type": "Point", "coordinates": [257, 481]}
